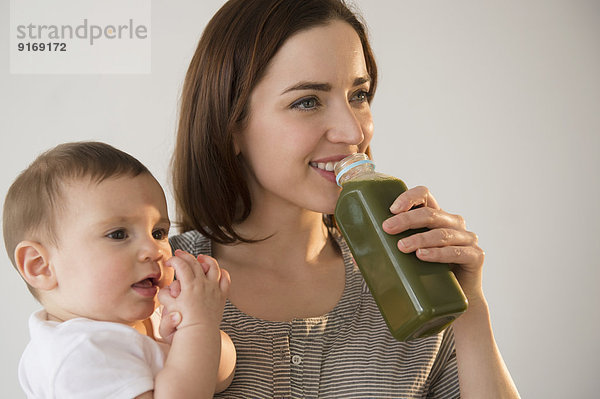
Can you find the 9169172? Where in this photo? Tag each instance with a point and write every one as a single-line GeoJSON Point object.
{"type": "Point", "coordinates": [42, 46]}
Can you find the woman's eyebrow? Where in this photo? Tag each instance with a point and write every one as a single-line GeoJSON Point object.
{"type": "Point", "coordinates": [363, 79]}
{"type": "Point", "coordinates": [308, 85]}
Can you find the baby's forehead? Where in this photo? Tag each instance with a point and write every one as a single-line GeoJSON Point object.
{"type": "Point", "coordinates": [89, 202]}
{"type": "Point", "coordinates": [126, 187]}
{"type": "Point", "coordinates": [102, 181]}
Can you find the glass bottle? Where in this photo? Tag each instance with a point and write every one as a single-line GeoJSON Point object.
{"type": "Point", "coordinates": [416, 298]}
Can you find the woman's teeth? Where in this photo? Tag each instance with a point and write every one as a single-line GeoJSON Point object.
{"type": "Point", "coordinates": [328, 166]}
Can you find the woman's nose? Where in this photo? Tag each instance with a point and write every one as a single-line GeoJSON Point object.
{"type": "Point", "coordinates": [345, 127]}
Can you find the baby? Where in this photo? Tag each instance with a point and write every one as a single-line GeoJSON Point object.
{"type": "Point", "coordinates": [86, 226]}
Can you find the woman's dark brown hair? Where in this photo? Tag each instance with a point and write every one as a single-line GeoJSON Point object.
{"type": "Point", "coordinates": [234, 51]}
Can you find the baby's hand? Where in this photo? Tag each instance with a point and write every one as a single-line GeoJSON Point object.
{"type": "Point", "coordinates": [203, 287]}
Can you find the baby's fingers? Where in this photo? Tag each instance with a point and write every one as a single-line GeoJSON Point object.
{"type": "Point", "coordinates": [225, 282]}
{"type": "Point", "coordinates": [168, 325]}
{"type": "Point", "coordinates": [183, 263]}
{"type": "Point", "coordinates": [210, 266]}
{"type": "Point", "coordinates": [165, 297]}
{"type": "Point", "coordinates": [205, 266]}
{"type": "Point", "coordinates": [214, 271]}
{"type": "Point", "coordinates": [175, 288]}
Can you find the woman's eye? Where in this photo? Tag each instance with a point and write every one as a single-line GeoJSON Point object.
{"type": "Point", "coordinates": [159, 234]}
{"type": "Point", "coordinates": [117, 235]}
{"type": "Point", "coordinates": [306, 104]}
{"type": "Point", "coordinates": [361, 96]}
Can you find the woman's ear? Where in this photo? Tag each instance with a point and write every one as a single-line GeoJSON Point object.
{"type": "Point", "coordinates": [33, 261]}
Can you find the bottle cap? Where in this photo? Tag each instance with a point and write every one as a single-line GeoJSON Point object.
{"type": "Point", "coordinates": [338, 175]}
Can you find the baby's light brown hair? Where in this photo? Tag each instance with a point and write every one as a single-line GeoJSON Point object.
{"type": "Point", "coordinates": [32, 204]}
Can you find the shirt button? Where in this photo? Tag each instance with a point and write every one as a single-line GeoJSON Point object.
{"type": "Point", "coordinates": [296, 360]}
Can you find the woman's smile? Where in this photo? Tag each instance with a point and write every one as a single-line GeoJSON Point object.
{"type": "Point", "coordinates": [325, 166]}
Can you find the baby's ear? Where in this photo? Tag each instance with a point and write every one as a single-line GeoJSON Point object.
{"type": "Point", "coordinates": [33, 263]}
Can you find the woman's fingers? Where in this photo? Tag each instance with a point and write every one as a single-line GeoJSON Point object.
{"type": "Point", "coordinates": [422, 217]}
{"type": "Point", "coordinates": [440, 237]}
{"type": "Point", "coordinates": [414, 197]}
{"type": "Point", "coordinates": [459, 255]}
{"type": "Point", "coordinates": [445, 239]}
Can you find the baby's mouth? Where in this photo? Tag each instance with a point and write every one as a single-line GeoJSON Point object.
{"type": "Point", "coordinates": [147, 287]}
{"type": "Point", "coordinates": [145, 283]}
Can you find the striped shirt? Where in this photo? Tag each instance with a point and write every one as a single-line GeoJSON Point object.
{"type": "Point", "coordinates": [347, 353]}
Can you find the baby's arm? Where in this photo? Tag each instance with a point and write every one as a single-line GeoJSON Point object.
{"type": "Point", "coordinates": [168, 326]}
{"type": "Point", "coordinates": [191, 366]}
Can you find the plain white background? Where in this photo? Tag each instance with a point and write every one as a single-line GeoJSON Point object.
{"type": "Point", "coordinates": [493, 105]}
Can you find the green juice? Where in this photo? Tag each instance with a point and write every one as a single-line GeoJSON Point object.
{"type": "Point", "coordinates": [416, 298]}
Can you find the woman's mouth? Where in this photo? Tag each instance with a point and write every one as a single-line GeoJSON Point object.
{"type": "Point", "coordinates": [326, 166]}
{"type": "Point", "coordinates": [325, 169]}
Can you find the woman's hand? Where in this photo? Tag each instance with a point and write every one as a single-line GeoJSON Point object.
{"type": "Point", "coordinates": [447, 240]}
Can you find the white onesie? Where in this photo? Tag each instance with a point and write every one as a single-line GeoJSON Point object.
{"type": "Point", "coordinates": [83, 358]}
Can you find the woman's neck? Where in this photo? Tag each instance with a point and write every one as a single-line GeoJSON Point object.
{"type": "Point", "coordinates": [294, 273]}
{"type": "Point", "coordinates": [295, 235]}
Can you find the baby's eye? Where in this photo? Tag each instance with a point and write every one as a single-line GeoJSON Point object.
{"type": "Point", "coordinates": [160, 234]}
{"type": "Point", "coordinates": [306, 104]}
{"type": "Point", "coordinates": [117, 235]}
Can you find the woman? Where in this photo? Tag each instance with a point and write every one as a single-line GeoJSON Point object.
{"type": "Point", "coordinates": [276, 93]}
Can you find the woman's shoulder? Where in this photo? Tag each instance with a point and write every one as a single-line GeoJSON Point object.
{"type": "Point", "coordinates": [191, 241]}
